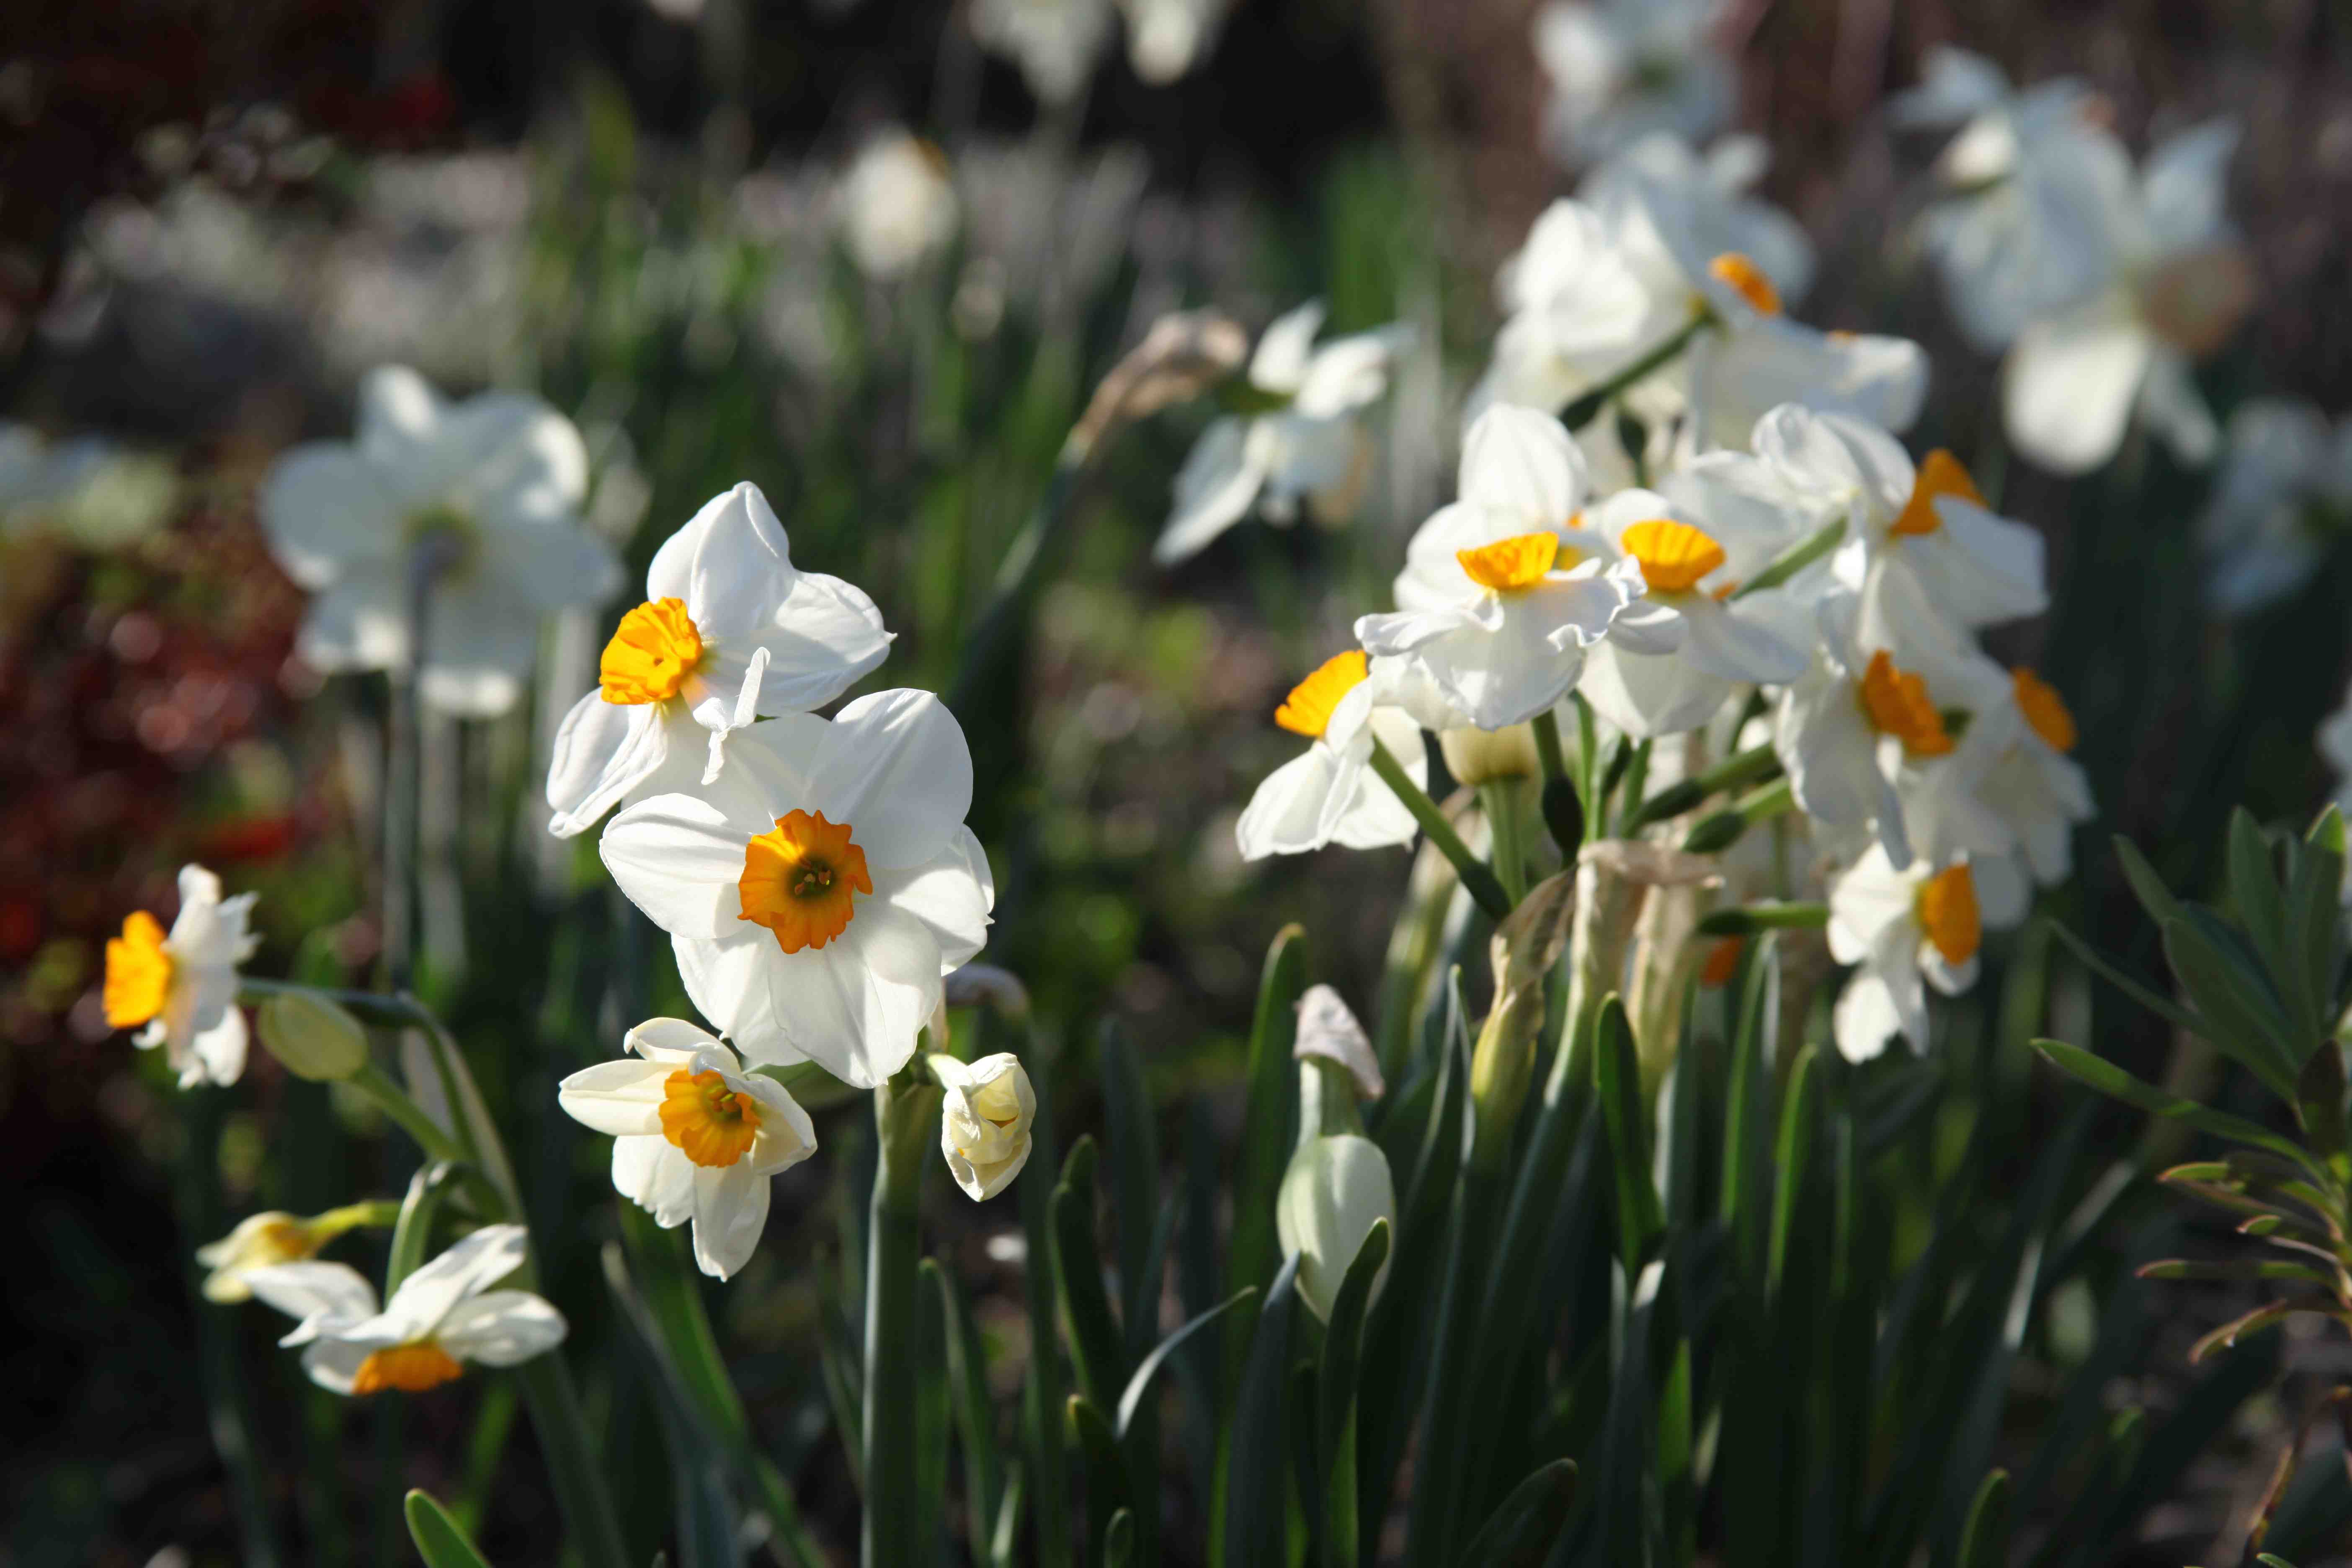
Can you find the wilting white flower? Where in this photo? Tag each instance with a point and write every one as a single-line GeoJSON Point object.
{"type": "Point", "coordinates": [1055, 42]}
{"type": "Point", "coordinates": [492, 486]}
{"type": "Point", "coordinates": [1690, 573]}
{"type": "Point", "coordinates": [985, 1120]}
{"type": "Point", "coordinates": [1505, 590]}
{"type": "Point", "coordinates": [1905, 930]}
{"type": "Point", "coordinates": [1165, 39]}
{"type": "Point", "coordinates": [441, 1317]}
{"type": "Point", "coordinates": [695, 1137]}
{"type": "Point", "coordinates": [818, 892]}
{"type": "Point", "coordinates": [2283, 490]}
{"type": "Point", "coordinates": [1328, 1029]}
{"type": "Point", "coordinates": [271, 1238]}
{"type": "Point", "coordinates": [183, 986]}
{"type": "Point", "coordinates": [1622, 68]}
{"type": "Point", "coordinates": [2173, 282]}
{"type": "Point", "coordinates": [1336, 1185]}
{"type": "Point", "coordinates": [2041, 793]}
{"type": "Point", "coordinates": [896, 205]}
{"type": "Point", "coordinates": [1310, 448]}
{"type": "Point", "coordinates": [1328, 794]}
{"type": "Point", "coordinates": [729, 628]}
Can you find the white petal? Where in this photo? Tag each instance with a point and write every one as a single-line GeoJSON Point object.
{"type": "Point", "coordinates": [619, 1098]}
{"type": "Point", "coordinates": [730, 1210]}
{"type": "Point", "coordinates": [899, 772]}
{"type": "Point", "coordinates": [1723, 641]}
{"type": "Point", "coordinates": [948, 896]}
{"type": "Point", "coordinates": [825, 634]}
{"type": "Point", "coordinates": [314, 1292]}
{"type": "Point", "coordinates": [335, 1365]}
{"type": "Point", "coordinates": [786, 1136]}
{"type": "Point", "coordinates": [219, 1051]}
{"type": "Point", "coordinates": [467, 1268]}
{"type": "Point", "coordinates": [856, 1004]}
{"type": "Point", "coordinates": [1214, 488]}
{"type": "Point", "coordinates": [323, 507]}
{"type": "Point", "coordinates": [504, 1328]}
{"type": "Point", "coordinates": [603, 751]}
{"type": "Point", "coordinates": [1280, 362]}
{"type": "Point", "coordinates": [672, 1040]}
{"type": "Point", "coordinates": [681, 862]}
{"type": "Point", "coordinates": [1874, 1009]}
{"type": "Point", "coordinates": [399, 412]}
{"type": "Point", "coordinates": [2069, 385]}
{"type": "Point", "coordinates": [656, 1176]}
{"type": "Point", "coordinates": [1286, 813]}
{"type": "Point", "coordinates": [728, 981]}
{"type": "Point", "coordinates": [1647, 696]}
{"type": "Point", "coordinates": [1523, 462]}
{"type": "Point", "coordinates": [357, 623]}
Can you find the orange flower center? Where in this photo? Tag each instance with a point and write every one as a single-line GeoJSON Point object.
{"type": "Point", "coordinates": [1673, 556]}
{"type": "Point", "coordinates": [138, 971]}
{"type": "Point", "coordinates": [1307, 709]}
{"type": "Point", "coordinates": [652, 651]}
{"type": "Point", "coordinates": [2044, 710]}
{"type": "Point", "coordinates": [1510, 564]}
{"type": "Point", "coordinates": [1746, 279]}
{"type": "Point", "coordinates": [797, 880]}
{"type": "Point", "coordinates": [1940, 474]}
{"type": "Point", "coordinates": [713, 1123]}
{"type": "Point", "coordinates": [1947, 910]}
{"type": "Point", "coordinates": [1895, 703]}
{"type": "Point", "coordinates": [410, 1368]}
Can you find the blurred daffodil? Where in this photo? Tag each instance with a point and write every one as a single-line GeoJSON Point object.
{"type": "Point", "coordinates": [1328, 794]}
{"type": "Point", "coordinates": [1906, 930]}
{"type": "Point", "coordinates": [179, 989]}
{"type": "Point", "coordinates": [266, 1239]}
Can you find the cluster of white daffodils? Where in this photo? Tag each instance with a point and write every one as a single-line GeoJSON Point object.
{"type": "Point", "coordinates": [814, 875]}
{"type": "Point", "coordinates": [1662, 283]}
{"type": "Point", "coordinates": [1058, 43]}
{"type": "Point", "coordinates": [470, 509]}
{"type": "Point", "coordinates": [2101, 284]}
{"type": "Point", "coordinates": [1792, 592]}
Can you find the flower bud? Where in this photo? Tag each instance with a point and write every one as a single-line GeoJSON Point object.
{"type": "Point", "coordinates": [1336, 1187]}
{"type": "Point", "coordinates": [275, 1236]}
{"type": "Point", "coordinates": [1328, 1031]}
{"type": "Point", "coordinates": [312, 1037]}
{"type": "Point", "coordinates": [1480, 756]}
{"type": "Point", "coordinates": [984, 1121]}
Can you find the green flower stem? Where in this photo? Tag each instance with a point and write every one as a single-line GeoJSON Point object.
{"type": "Point", "coordinates": [1795, 560]}
{"type": "Point", "coordinates": [1476, 876]}
{"type": "Point", "coordinates": [906, 1120]}
{"type": "Point", "coordinates": [1585, 410]}
{"type": "Point", "coordinates": [393, 1102]}
{"type": "Point", "coordinates": [1756, 764]}
{"type": "Point", "coordinates": [1499, 799]}
{"type": "Point", "coordinates": [1551, 755]}
{"type": "Point", "coordinates": [1749, 918]}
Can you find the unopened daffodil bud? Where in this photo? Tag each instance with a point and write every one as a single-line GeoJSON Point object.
{"type": "Point", "coordinates": [985, 1120]}
{"type": "Point", "coordinates": [1336, 1188]}
{"type": "Point", "coordinates": [274, 1236]}
{"type": "Point", "coordinates": [1480, 757]}
{"type": "Point", "coordinates": [312, 1037]}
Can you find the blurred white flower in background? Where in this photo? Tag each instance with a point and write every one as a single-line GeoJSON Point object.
{"type": "Point", "coordinates": [695, 1137]}
{"type": "Point", "coordinates": [1306, 444]}
{"type": "Point", "coordinates": [896, 205]}
{"type": "Point", "coordinates": [441, 1317]}
{"type": "Point", "coordinates": [1621, 69]}
{"type": "Point", "coordinates": [86, 491]}
{"type": "Point", "coordinates": [1328, 794]}
{"type": "Point", "coordinates": [1166, 39]}
{"type": "Point", "coordinates": [2283, 495]}
{"type": "Point", "coordinates": [729, 629]}
{"type": "Point", "coordinates": [1055, 42]}
{"type": "Point", "coordinates": [182, 986]}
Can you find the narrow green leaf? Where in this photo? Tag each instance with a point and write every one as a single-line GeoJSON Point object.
{"type": "Point", "coordinates": [1109, 1487]}
{"type": "Point", "coordinates": [1130, 1399]}
{"type": "Point", "coordinates": [1798, 1108]}
{"type": "Point", "coordinates": [1132, 1144]}
{"type": "Point", "coordinates": [1085, 1303]}
{"type": "Point", "coordinates": [1258, 1455]}
{"type": "Point", "coordinates": [2226, 987]}
{"type": "Point", "coordinates": [1335, 1421]}
{"type": "Point", "coordinates": [2254, 891]}
{"type": "Point", "coordinates": [1118, 1541]}
{"type": "Point", "coordinates": [1984, 1539]}
{"type": "Point", "coordinates": [439, 1539]}
{"type": "Point", "coordinates": [1747, 920]}
{"type": "Point", "coordinates": [1627, 1117]}
{"type": "Point", "coordinates": [1524, 1531]}
{"type": "Point", "coordinates": [975, 1420]}
{"type": "Point", "coordinates": [2113, 1081]}
{"type": "Point", "coordinates": [2146, 885]}
{"type": "Point", "coordinates": [1267, 1118]}
{"type": "Point", "coordinates": [2163, 1007]}
{"type": "Point", "coordinates": [412, 1234]}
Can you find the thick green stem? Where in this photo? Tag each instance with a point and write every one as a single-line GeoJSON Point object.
{"type": "Point", "coordinates": [1477, 877]}
{"type": "Point", "coordinates": [1500, 800]}
{"type": "Point", "coordinates": [1745, 767]}
{"type": "Point", "coordinates": [1586, 408]}
{"type": "Point", "coordinates": [1795, 560]}
{"type": "Point", "coordinates": [582, 1491]}
{"type": "Point", "coordinates": [393, 1102]}
{"type": "Point", "coordinates": [906, 1120]}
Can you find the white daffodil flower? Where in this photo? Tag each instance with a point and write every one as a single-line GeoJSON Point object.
{"type": "Point", "coordinates": [695, 1137]}
{"type": "Point", "coordinates": [1505, 590]}
{"type": "Point", "coordinates": [2035, 176]}
{"type": "Point", "coordinates": [818, 892]}
{"type": "Point", "coordinates": [986, 1117]}
{"type": "Point", "coordinates": [266, 1239]}
{"type": "Point", "coordinates": [2039, 792]}
{"type": "Point", "coordinates": [1055, 42]}
{"type": "Point", "coordinates": [2283, 491]}
{"type": "Point", "coordinates": [183, 986]}
{"type": "Point", "coordinates": [1166, 39]}
{"type": "Point", "coordinates": [729, 628]}
{"type": "Point", "coordinates": [1690, 573]}
{"type": "Point", "coordinates": [492, 486]}
{"type": "Point", "coordinates": [1672, 207]}
{"type": "Point", "coordinates": [441, 1317]}
{"type": "Point", "coordinates": [1328, 794]}
{"type": "Point", "coordinates": [896, 206]}
{"type": "Point", "coordinates": [1335, 1188]}
{"type": "Point", "coordinates": [1905, 930]}
{"type": "Point", "coordinates": [1574, 311]}
{"type": "Point", "coordinates": [1310, 448]}
{"type": "Point", "coordinates": [2174, 282]}
{"type": "Point", "coordinates": [1622, 68]}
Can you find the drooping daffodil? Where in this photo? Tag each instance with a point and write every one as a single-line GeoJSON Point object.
{"type": "Point", "coordinates": [274, 1236]}
{"type": "Point", "coordinates": [441, 1317]}
{"type": "Point", "coordinates": [484, 494]}
{"type": "Point", "coordinates": [1305, 444]}
{"type": "Point", "coordinates": [819, 889]}
{"type": "Point", "coordinates": [986, 1117]}
{"type": "Point", "coordinates": [1329, 793]}
{"type": "Point", "coordinates": [2033, 786]}
{"type": "Point", "coordinates": [179, 989]}
{"type": "Point", "coordinates": [729, 628]}
{"type": "Point", "coordinates": [1904, 930]}
{"type": "Point", "coordinates": [2284, 494]}
{"type": "Point", "coordinates": [1505, 590]}
{"type": "Point", "coordinates": [695, 1137]}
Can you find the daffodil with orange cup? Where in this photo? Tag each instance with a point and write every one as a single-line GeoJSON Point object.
{"type": "Point", "coordinates": [1904, 930]}
{"type": "Point", "coordinates": [178, 989]}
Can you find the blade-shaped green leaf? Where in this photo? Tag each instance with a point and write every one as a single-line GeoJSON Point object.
{"type": "Point", "coordinates": [1085, 1303]}
{"type": "Point", "coordinates": [1627, 1110]}
{"type": "Point", "coordinates": [2227, 986]}
{"type": "Point", "coordinates": [439, 1539]}
{"type": "Point", "coordinates": [2113, 1081]}
{"type": "Point", "coordinates": [2146, 885]}
{"type": "Point", "coordinates": [1257, 1459]}
{"type": "Point", "coordinates": [1984, 1539]}
{"type": "Point", "coordinates": [1138, 1384]}
{"type": "Point", "coordinates": [1335, 1423]}
{"type": "Point", "coordinates": [1524, 1531]}
{"type": "Point", "coordinates": [1267, 1118]}
{"type": "Point", "coordinates": [1132, 1146]}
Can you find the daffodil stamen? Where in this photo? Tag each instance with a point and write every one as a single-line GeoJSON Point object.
{"type": "Point", "coordinates": [1673, 556]}
{"type": "Point", "coordinates": [711, 1123]}
{"type": "Point", "coordinates": [138, 971]}
{"type": "Point", "coordinates": [1940, 474]}
{"type": "Point", "coordinates": [1510, 564]}
{"type": "Point", "coordinates": [2046, 711]}
{"type": "Point", "coordinates": [410, 1368]}
{"type": "Point", "coordinates": [654, 649]}
{"type": "Point", "coordinates": [799, 879]}
{"type": "Point", "coordinates": [1746, 279]}
{"type": "Point", "coordinates": [1949, 916]}
{"type": "Point", "coordinates": [1307, 709]}
{"type": "Point", "coordinates": [1895, 703]}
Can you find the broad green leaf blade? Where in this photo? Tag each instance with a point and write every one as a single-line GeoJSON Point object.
{"type": "Point", "coordinates": [2146, 885]}
{"type": "Point", "coordinates": [1086, 1304]}
{"type": "Point", "coordinates": [1258, 1455]}
{"type": "Point", "coordinates": [975, 1420]}
{"type": "Point", "coordinates": [1335, 1421]}
{"type": "Point", "coordinates": [1138, 1384]}
{"type": "Point", "coordinates": [1267, 1118]}
{"type": "Point", "coordinates": [439, 1539]}
{"type": "Point", "coordinates": [2227, 986]}
{"type": "Point", "coordinates": [1984, 1539]}
{"type": "Point", "coordinates": [1118, 1541]}
{"type": "Point", "coordinates": [1523, 1532]}
{"type": "Point", "coordinates": [2254, 889]}
{"type": "Point", "coordinates": [1640, 1220]}
{"type": "Point", "coordinates": [1132, 1146]}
